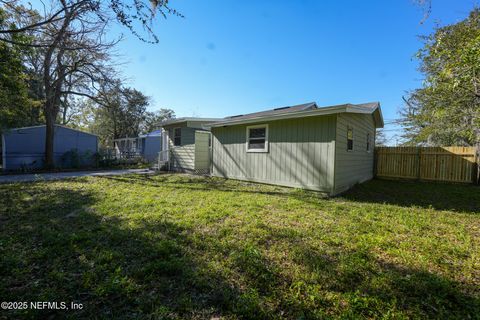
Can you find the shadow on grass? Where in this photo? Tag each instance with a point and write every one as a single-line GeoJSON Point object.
{"type": "Point", "coordinates": [202, 183]}
{"type": "Point", "coordinates": [56, 246]}
{"type": "Point", "coordinates": [374, 288]}
{"type": "Point", "coordinates": [438, 196]}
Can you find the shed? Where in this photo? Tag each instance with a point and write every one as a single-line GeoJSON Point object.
{"type": "Point", "coordinates": [24, 148]}
{"type": "Point", "coordinates": [186, 144]}
{"type": "Point", "coordinates": [327, 149]}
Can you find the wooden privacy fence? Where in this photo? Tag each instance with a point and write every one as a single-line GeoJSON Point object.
{"type": "Point", "coordinates": [451, 164]}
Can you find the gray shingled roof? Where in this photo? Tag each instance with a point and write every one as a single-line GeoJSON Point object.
{"type": "Point", "coordinates": [306, 109]}
{"type": "Point", "coordinates": [276, 111]}
{"type": "Point", "coordinates": [303, 110]}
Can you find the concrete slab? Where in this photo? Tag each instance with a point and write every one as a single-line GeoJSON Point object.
{"type": "Point", "coordinates": [68, 175]}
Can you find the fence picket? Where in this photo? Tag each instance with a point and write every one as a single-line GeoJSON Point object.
{"type": "Point", "coordinates": [450, 164]}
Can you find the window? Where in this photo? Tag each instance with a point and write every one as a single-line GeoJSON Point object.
{"type": "Point", "coordinates": [257, 138]}
{"type": "Point", "coordinates": [368, 142]}
{"type": "Point", "coordinates": [349, 139]}
{"type": "Point", "coordinates": [177, 136]}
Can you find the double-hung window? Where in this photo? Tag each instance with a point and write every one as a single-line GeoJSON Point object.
{"type": "Point", "coordinates": [257, 138]}
{"type": "Point", "coordinates": [177, 136]}
{"type": "Point", "coordinates": [349, 139]}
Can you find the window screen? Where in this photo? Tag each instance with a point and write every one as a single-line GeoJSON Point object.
{"type": "Point", "coordinates": [257, 139]}
{"type": "Point", "coordinates": [349, 139]}
{"type": "Point", "coordinates": [177, 136]}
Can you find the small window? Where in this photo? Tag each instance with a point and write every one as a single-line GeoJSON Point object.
{"type": "Point", "coordinates": [257, 138]}
{"type": "Point", "coordinates": [349, 139]}
{"type": "Point", "coordinates": [177, 136]}
{"type": "Point", "coordinates": [368, 142]}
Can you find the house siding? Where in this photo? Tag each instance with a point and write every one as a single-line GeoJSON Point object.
{"type": "Point", "coordinates": [356, 166]}
{"type": "Point", "coordinates": [183, 156]}
{"type": "Point", "coordinates": [301, 153]}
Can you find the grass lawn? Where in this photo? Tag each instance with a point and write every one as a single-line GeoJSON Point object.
{"type": "Point", "coordinates": [176, 246]}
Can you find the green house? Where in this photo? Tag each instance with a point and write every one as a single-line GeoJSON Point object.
{"type": "Point", "coordinates": [186, 145]}
{"type": "Point", "coordinates": [328, 149]}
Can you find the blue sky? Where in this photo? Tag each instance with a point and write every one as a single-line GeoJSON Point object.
{"type": "Point", "coordinates": [233, 57]}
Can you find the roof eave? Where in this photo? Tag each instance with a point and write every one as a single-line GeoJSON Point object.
{"type": "Point", "coordinates": [55, 125]}
{"type": "Point", "coordinates": [182, 120]}
{"type": "Point", "coordinates": [347, 108]}
{"type": "Point", "coordinates": [376, 112]}
{"type": "Point", "coordinates": [292, 115]}
{"type": "Point", "coordinates": [379, 123]}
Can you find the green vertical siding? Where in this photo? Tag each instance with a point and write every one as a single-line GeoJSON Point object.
{"type": "Point", "coordinates": [301, 153]}
{"type": "Point", "coordinates": [182, 157]}
{"type": "Point", "coordinates": [355, 166]}
{"type": "Point", "coordinates": [202, 151]}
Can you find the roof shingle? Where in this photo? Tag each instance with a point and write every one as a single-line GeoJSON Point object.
{"type": "Point", "coordinates": [281, 110]}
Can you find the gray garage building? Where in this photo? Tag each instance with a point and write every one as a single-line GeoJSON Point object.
{"type": "Point", "coordinates": [24, 148]}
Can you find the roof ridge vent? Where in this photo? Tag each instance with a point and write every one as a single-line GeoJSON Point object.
{"type": "Point", "coordinates": [281, 108]}
{"type": "Point", "coordinates": [238, 115]}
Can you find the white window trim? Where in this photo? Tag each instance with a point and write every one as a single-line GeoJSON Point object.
{"type": "Point", "coordinates": [264, 150]}
{"type": "Point", "coordinates": [174, 129]}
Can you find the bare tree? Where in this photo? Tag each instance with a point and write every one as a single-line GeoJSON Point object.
{"type": "Point", "coordinates": [133, 14]}
{"type": "Point", "coordinates": [71, 37]}
{"type": "Point", "coordinates": [75, 61]}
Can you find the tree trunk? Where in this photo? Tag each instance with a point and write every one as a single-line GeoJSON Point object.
{"type": "Point", "coordinates": [52, 87]}
{"type": "Point", "coordinates": [49, 141]}
{"type": "Point", "coordinates": [64, 113]}
{"type": "Point", "coordinates": [477, 151]}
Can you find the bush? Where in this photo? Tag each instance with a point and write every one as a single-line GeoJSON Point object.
{"type": "Point", "coordinates": [76, 159]}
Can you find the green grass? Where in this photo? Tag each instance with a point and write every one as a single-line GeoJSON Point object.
{"type": "Point", "coordinates": [175, 247]}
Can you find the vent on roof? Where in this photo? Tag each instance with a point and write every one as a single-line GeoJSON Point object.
{"type": "Point", "coordinates": [281, 108]}
{"type": "Point", "coordinates": [238, 115]}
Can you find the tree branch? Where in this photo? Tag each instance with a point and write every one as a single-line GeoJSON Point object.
{"type": "Point", "coordinates": [82, 94]}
